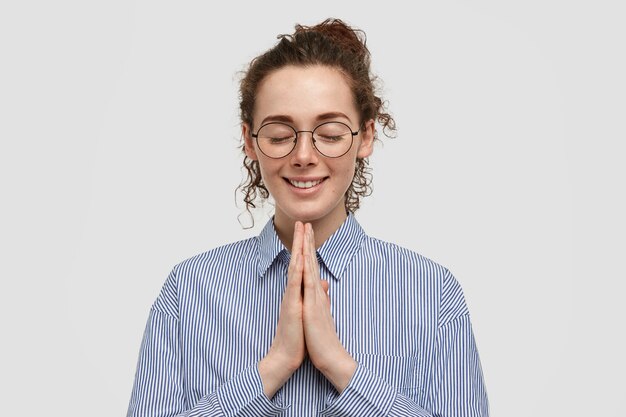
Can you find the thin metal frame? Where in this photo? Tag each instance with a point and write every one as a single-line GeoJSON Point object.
{"type": "Point", "coordinates": [295, 141]}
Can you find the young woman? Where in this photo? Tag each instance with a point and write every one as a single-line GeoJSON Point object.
{"type": "Point", "coordinates": [312, 317]}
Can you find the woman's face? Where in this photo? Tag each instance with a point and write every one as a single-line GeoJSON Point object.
{"type": "Point", "coordinates": [305, 184]}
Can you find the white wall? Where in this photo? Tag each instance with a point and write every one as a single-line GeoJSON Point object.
{"type": "Point", "coordinates": [118, 159]}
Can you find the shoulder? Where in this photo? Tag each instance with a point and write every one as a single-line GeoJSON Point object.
{"type": "Point", "coordinates": [227, 256]}
{"type": "Point", "coordinates": [418, 275]}
{"type": "Point", "coordinates": [205, 270]}
{"type": "Point", "coordinates": [396, 255]}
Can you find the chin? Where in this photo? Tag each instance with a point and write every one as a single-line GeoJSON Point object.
{"type": "Point", "coordinates": [305, 217]}
{"type": "Point", "coordinates": [311, 214]}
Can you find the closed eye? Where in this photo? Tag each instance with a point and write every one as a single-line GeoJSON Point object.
{"type": "Point", "coordinates": [280, 140]}
{"type": "Point", "coordinates": [327, 138]}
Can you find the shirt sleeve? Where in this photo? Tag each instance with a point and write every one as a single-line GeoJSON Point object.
{"type": "Point", "coordinates": [158, 390]}
{"type": "Point", "coordinates": [456, 388]}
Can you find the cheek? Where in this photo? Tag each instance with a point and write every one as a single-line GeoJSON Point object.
{"type": "Point", "coordinates": [346, 172]}
{"type": "Point", "coordinates": [263, 170]}
{"type": "Point", "coordinates": [269, 173]}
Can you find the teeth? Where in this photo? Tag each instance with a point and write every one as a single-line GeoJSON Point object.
{"type": "Point", "coordinates": [304, 184]}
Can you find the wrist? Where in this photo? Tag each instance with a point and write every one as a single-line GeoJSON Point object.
{"type": "Point", "coordinates": [340, 372]}
{"type": "Point", "coordinates": [274, 372]}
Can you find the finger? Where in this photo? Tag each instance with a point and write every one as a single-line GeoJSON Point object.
{"type": "Point", "coordinates": [310, 275]}
{"type": "Point", "coordinates": [314, 268]}
{"type": "Point", "coordinates": [313, 285]}
{"type": "Point", "coordinates": [298, 235]}
{"type": "Point", "coordinates": [307, 275]}
{"type": "Point", "coordinates": [296, 263]}
{"type": "Point", "coordinates": [324, 285]}
{"type": "Point", "coordinates": [314, 253]}
{"type": "Point", "coordinates": [294, 271]}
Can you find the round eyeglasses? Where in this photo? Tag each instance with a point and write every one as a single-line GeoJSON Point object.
{"type": "Point", "coordinates": [331, 139]}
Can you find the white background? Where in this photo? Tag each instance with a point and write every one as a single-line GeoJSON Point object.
{"type": "Point", "coordinates": [118, 159]}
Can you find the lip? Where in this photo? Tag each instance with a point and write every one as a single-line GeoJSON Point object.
{"type": "Point", "coordinates": [318, 180]}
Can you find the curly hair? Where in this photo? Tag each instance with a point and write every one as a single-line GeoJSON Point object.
{"type": "Point", "coordinates": [331, 43]}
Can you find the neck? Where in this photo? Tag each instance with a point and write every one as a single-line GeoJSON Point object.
{"type": "Point", "coordinates": [322, 228]}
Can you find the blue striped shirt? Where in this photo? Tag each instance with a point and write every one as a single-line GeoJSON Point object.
{"type": "Point", "coordinates": [401, 316]}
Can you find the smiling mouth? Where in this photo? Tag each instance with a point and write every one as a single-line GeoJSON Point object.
{"type": "Point", "coordinates": [305, 184]}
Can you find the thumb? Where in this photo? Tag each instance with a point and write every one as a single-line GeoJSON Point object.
{"type": "Point", "coordinates": [324, 286]}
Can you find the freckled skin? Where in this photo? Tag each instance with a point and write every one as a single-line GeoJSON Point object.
{"type": "Point", "coordinates": [302, 94]}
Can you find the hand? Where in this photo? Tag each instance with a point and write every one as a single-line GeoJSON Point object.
{"type": "Point", "coordinates": [288, 348]}
{"type": "Point", "coordinates": [322, 343]}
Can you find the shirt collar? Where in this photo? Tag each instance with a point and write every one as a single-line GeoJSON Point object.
{"type": "Point", "coordinates": [335, 253]}
{"type": "Point", "coordinates": [270, 247]}
{"type": "Point", "coordinates": [340, 248]}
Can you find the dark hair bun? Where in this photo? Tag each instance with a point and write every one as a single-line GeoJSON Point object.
{"type": "Point", "coordinates": [349, 39]}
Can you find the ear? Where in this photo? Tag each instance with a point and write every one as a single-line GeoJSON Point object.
{"type": "Point", "coordinates": [366, 146]}
{"type": "Point", "coordinates": [248, 141]}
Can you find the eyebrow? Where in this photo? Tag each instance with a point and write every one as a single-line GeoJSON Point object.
{"type": "Point", "coordinates": [320, 117]}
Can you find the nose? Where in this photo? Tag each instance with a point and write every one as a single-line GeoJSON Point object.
{"type": "Point", "coordinates": [304, 154]}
